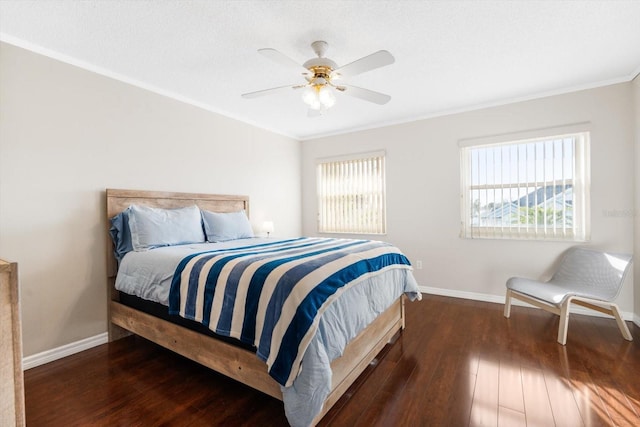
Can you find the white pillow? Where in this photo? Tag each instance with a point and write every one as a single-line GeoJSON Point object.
{"type": "Point", "coordinates": [153, 227]}
{"type": "Point", "coordinates": [221, 227]}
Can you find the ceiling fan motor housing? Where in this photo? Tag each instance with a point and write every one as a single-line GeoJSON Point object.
{"type": "Point", "coordinates": [325, 63]}
{"type": "Point", "coordinates": [321, 67]}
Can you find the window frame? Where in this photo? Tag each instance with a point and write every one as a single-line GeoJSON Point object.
{"type": "Point", "coordinates": [580, 184]}
{"type": "Point", "coordinates": [380, 192]}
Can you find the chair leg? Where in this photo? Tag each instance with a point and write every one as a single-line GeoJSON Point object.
{"type": "Point", "coordinates": [507, 304]}
{"type": "Point", "coordinates": [622, 325]}
{"type": "Point", "coordinates": [564, 322]}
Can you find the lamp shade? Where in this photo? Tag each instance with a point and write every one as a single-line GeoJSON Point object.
{"type": "Point", "coordinates": [267, 227]}
{"type": "Point", "coordinates": [319, 97]}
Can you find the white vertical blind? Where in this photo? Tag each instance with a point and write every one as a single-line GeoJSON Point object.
{"type": "Point", "coordinates": [351, 194]}
{"type": "Point", "coordinates": [534, 188]}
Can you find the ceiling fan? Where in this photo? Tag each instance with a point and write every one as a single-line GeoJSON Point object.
{"type": "Point", "coordinates": [323, 77]}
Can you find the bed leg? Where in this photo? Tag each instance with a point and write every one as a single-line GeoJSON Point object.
{"type": "Point", "coordinates": [116, 332]}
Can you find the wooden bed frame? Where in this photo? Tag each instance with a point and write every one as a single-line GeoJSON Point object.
{"type": "Point", "coordinates": [234, 362]}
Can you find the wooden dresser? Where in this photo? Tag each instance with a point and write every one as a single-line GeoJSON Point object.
{"type": "Point", "coordinates": [12, 383]}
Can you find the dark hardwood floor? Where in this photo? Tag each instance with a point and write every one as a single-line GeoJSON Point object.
{"type": "Point", "coordinates": [458, 363]}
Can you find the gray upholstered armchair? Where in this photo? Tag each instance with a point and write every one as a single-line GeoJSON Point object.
{"type": "Point", "coordinates": [586, 277]}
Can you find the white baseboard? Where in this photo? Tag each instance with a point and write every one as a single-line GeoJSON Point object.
{"type": "Point", "coordinates": [87, 343]}
{"type": "Point", "coordinates": [63, 351]}
{"type": "Point", "coordinates": [499, 299]}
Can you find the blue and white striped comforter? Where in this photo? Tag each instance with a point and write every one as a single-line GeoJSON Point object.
{"type": "Point", "coordinates": [272, 295]}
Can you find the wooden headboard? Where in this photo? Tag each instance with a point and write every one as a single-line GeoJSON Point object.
{"type": "Point", "coordinates": [119, 200]}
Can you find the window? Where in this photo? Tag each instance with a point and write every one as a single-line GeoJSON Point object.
{"type": "Point", "coordinates": [530, 188]}
{"type": "Point", "coordinates": [351, 194]}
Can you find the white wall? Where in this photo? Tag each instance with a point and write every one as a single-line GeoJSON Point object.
{"type": "Point", "coordinates": [423, 187]}
{"type": "Point", "coordinates": [66, 134]}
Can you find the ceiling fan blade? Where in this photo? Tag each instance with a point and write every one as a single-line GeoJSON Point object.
{"type": "Point", "coordinates": [263, 92]}
{"type": "Point", "coordinates": [366, 94]}
{"type": "Point", "coordinates": [368, 63]}
{"type": "Point", "coordinates": [283, 59]}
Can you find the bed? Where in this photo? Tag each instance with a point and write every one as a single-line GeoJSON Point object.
{"type": "Point", "coordinates": [240, 362]}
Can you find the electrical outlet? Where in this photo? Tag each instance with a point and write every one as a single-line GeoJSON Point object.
{"type": "Point", "coordinates": [419, 265]}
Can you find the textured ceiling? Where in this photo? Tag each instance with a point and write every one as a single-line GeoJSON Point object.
{"type": "Point", "coordinates": [450, 55]}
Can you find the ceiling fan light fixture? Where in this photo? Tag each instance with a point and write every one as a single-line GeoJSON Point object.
{"type": "Point", "coordinates": [318, 97]}
{"type": "Point", "coordinates": [326, 97]}
{"type": "Point", "coordinates": [310, 97]}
